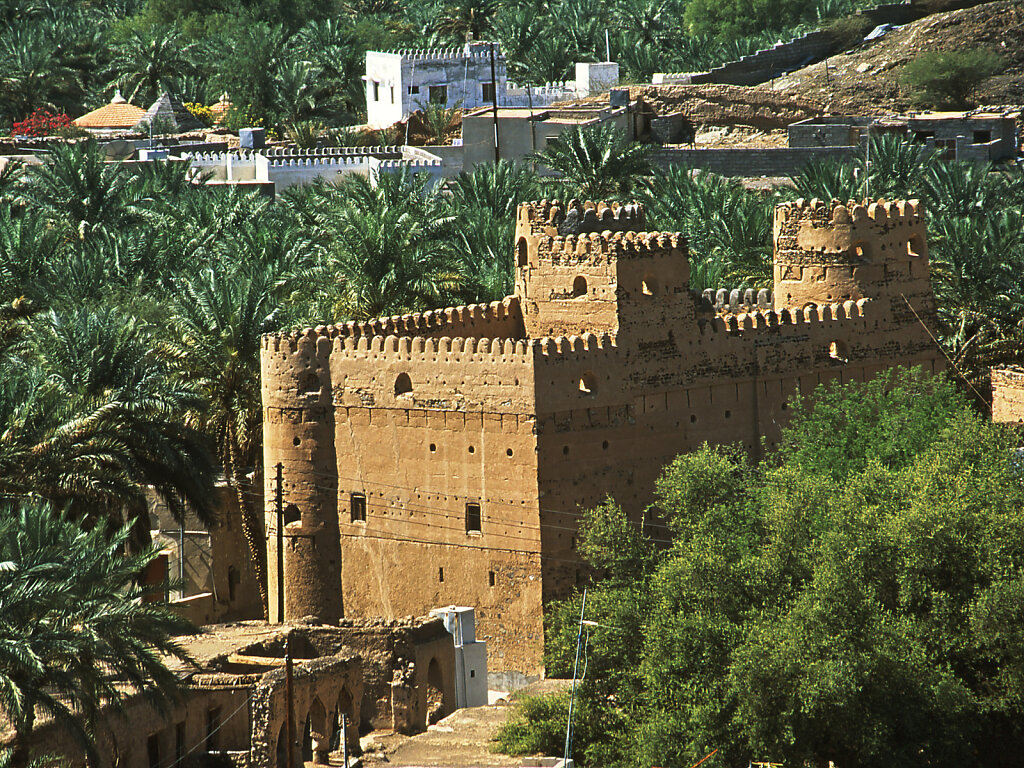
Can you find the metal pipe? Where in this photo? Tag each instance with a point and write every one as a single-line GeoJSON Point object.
{"type": "Point", "coordinates": [572, 695]}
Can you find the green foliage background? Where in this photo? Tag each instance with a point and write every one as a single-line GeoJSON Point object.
{"type": "Point", "coordinates": [295, 61]}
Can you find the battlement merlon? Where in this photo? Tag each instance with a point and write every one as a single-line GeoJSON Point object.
{"type": "Point", "coordinates": [554, 217]}
{"type": "Point", "coordinates": [828, 252]}
{"type": "Point", "coordinates": [498, 320]}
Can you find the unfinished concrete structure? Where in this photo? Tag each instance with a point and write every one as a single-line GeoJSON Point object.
{"type": "Point", "coordinates": [446, 457]}
{"type": "Point", "coordinates": [396, 675]}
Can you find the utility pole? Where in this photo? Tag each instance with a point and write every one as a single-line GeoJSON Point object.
{"type": "Point", "coordinates": [566, 759]}
{"type": "Point", "coordinates": [344, 737]}
{"type": "Point", "coordinates": [494, 104]}
{"type": "Point", "coordinates": [289, 713]}
{"type": "Point", "coordinates": [279, 504]}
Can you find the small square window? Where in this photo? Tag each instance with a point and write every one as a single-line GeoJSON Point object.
{"type": "Point", "coordinates": [982, 137]}
{"type": "Point", "coordinates": [439, 94]}
{"type": "Point", "coordinates": [357, 507]}
{"type": "Point", "coordinates": [413, 90]}
{"type": "Point", "coordinates": [473, 518]}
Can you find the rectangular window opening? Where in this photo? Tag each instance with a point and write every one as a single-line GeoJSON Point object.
{"type": "Point", "coordinates": [392, 94]}
{"type": "Point", "coordinates": [212, 728]}
{"type": "Point", "coordinates": [982, 137]}
{"type": "Point", "coordinates": [487, 92]}
{"type": "Point", "coordinates": [438, 94]}
{"type": "Point", "coordinates": [376, 91]}
{"type": "Point", "coordinates": [357, 506]}
{"type": "Point", "coordinates": [153, 750]}
{"type": "Point", "coordinates": [490, 578]}
{"type": "Point", "coordinates": [413, 90]}
{"type": "Point", "coordinates": [440, 575]}
{"type": "Point", "coordinates": [473, 518]}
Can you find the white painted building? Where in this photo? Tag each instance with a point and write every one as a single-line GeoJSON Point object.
{"type": "Point", "coordinates": [293, 167]}
{"type": "Point", "coordinates": [470, 655]}
{"type": "Point", "coordinates": [399, 83]}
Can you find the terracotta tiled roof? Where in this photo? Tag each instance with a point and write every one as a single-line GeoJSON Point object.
{"type": "Point", "coordinates": [117, 114]}
{"type": "Point", "coordinates": [222, 106]}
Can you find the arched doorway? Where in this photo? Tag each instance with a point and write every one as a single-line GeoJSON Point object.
{"type": "Point", "coordinates": [344, 707]}
{"type": "Point", "coordinates": [435, 692]}
{"type": "Point", "coordinates": [282, 746]}
{"type": "Point", "coordinates": [316, 727]}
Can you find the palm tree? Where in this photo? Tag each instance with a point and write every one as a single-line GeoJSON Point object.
{"type": "Point", "coordinates": [91, 419]}
{"type": "Point", "coordinates": [31, 74]}
{"type": "Point", "coordinates": [75, 633]}
{"type": "Point", "coordinates": [386, 246]}
{"type": "Point", "coordinates": [146, 63]}
{"type": "Point", "coordinates": [596, 161]}
{"type": "Point", "coordinates": [498, 188]}
{"type": "Point", "coordinates": [727, 228]}
{"type": "Point", "coordinates": [77, 192]}
{"type": "Point", "coordinates": [334, 52]}
{"type": "Point", "coordinates": [437, 121]}
{"type": "Point", "coordinates": [467, 19]}
{"type": "Point", "coordinates": [216, 321]}
{"type": "Point", "coordinates": [103, 360]}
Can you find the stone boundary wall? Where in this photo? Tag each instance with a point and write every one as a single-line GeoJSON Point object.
{"type": "Point", "coordinates": [767, 63]}
{"type": "Point", "coordinates": [1008, 395]}
{"type": "Point", "coordinates": [740, 161]}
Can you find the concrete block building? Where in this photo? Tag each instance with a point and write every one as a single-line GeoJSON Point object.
{"type": "Point", "coordinates": [446, 457]}
{"type": "Point", "coordinates": [398, 83]}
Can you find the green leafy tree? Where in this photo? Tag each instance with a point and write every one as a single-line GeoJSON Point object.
{"type": "Point", "coordinates": [948, 78]}
{"type": "Point", "coordinates": [147, 63]}
{"type": "Point", "coordinates": [596, 161]}
{"type": "Point", "coordinates": [850, 599]}
{"type": "Point", "coordinates": [75, 631]}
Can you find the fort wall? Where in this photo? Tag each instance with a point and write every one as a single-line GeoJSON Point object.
{"type": "Point", "coordinates": [458, 467]}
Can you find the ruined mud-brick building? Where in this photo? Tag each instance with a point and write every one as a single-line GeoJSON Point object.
{"type": "Point", "coordinates": [446, 457]}
{"type": "Point", "coordinates": [233, 706]}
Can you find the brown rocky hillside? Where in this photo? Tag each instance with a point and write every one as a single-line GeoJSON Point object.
{"type": "Point", "coordinates": [865, 79]}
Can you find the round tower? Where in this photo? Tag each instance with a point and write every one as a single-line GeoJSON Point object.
{"type": "Point", "coordinates": [303, 543]}
{"type": "Point", "coordinates": [834, 252]}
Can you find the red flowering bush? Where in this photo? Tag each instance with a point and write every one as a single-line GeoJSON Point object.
{"type": "Point", "coordinates": [42, 122]}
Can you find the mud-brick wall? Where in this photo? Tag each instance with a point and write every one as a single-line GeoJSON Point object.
{"type": "Point", "coordinates": [463, 434]}
{"type": "Point", "coordinates": [124, 739]}
{"type": "Point", "coordinates": [1008, 395]}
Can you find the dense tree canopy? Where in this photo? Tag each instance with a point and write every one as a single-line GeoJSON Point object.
{"type": "Point", "coordinates": [285, 61]}
{"type": "Point", "coordinates": [854, 598]}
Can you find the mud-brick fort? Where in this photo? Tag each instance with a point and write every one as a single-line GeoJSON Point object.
{"type": "Point", "coordinates": [446, 457]}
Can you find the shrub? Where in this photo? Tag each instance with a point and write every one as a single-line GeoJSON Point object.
{"type": "Point", "coordinates": [200, 112]}
{"type": "Point", "coordinates": [948, 78]}
{"type": "Point", "coordinates": [40, 123]}
{"type": "Point", "coordinates": [242, 116]}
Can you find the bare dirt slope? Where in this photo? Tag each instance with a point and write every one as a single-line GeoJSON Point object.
{"type": "Point", "coordinates": [865, 80]}
{"type": "Point", "coordinates": [714, 104]}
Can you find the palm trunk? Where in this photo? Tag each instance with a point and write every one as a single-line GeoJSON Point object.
{"type": "Point", "coordinates": [252, 527]}
{"type": "Point", "coordinates": [20, 754]}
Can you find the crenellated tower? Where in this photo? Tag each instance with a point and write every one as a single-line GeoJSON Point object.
{"type": "Point", "coordinates": [836, 252]}
{"type": "Point", "coordinates": [585, 267]}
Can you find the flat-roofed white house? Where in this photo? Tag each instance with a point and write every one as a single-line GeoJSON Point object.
{"type": "Point", "coordinates": [400, 82]}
